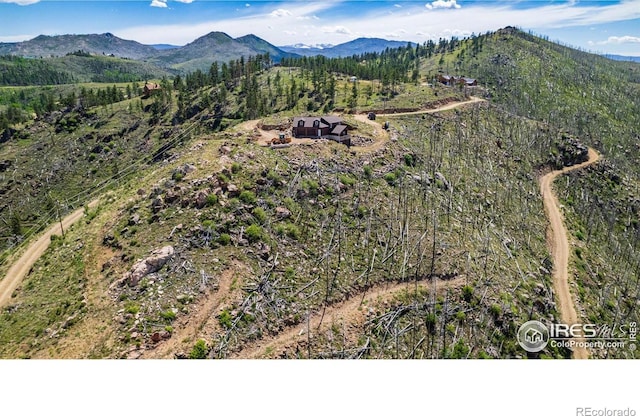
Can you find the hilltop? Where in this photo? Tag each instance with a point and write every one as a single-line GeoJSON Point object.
{"type": "Point", "coordinates": [44, 46]}
{"type": "Point", "coordinates": [199, 54]}
{"type": "Point", "coordinates": [425, 240]}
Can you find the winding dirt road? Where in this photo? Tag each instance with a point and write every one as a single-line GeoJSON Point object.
{"type": "Point", "coordinates": [351, 311]}
{"type": "Point", "coordinates": [21, 267]}
{"type": "Point", "coordinates": [559, 247]}
{"type": "Point", "coordinates": [382, 135]}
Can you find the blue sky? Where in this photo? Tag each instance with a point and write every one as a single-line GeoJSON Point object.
{"type": "Point", "coordinates": [601, 26]}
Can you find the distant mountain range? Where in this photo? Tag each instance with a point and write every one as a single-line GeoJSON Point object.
{"type": "Point", "coordinates": [53, 46]}
{"type": "Point", "coordinates": [623, 58]}
{"type": "Point", "coordinates": [199, 54]}
{"type": "Point", "coordinates": [354, 47]}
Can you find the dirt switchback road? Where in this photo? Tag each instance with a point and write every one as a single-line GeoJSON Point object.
{"type": "Point", "coordinates": [559, 247]}
{"type": "Point", "coordinates": [383, 135]}
{"type": "Point", "coordinates": [21, 267]}
{"type": "Point", "coordinates": [351, 310]}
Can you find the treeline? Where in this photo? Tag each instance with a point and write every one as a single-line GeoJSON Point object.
{"type": "Point", "coordinates": [391, 66]}
{"type": "Point", "coordinates": [255, 96]}
{"type": "Point", "coordinates": [40, 101]}
{"type": "Point", "coordinates": [21, 71]}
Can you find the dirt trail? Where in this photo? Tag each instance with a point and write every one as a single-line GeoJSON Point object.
{"type": "Point", "coordinates": [382, 135]}
{"type": "Point", "coordinates": [349, 311]}
{"type": "Point", "coordinates": [445, 107]}
{"type": "Point", "coordinates": [559, 246]}
{"type": "Point", "coordinates": [22, 266]}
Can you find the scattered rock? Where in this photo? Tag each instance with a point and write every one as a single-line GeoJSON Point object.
{"type": "Point", "coordinates": [200, 199]}
{"type": "Point", "coordinates": [157, 204]}
{"type": "Point", "coordinates": [282, 212]}
{"type": "Point", "coordinates": [134, 220]}
{"type": "Point", "coordinates": [232, 190]}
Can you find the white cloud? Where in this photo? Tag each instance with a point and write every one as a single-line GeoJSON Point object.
{"type": "Point", "coordinates": [617, 40]}
{"type": "Point", "coordinates": [280, 13]}
{"type": "Point", "coordinates": [247, 5]}
{"type": "Point", "coordinates": [443, 4]}
{"type": "Point", "coordinates": [16, 38]}
{"type": "Point", "coordinates": [397, 5]}
{"type": "Point", "coordinates": [20, 2]}
{"type": "Point", "coordinates": [421, 23]}
{"type": "Point", "coordinates": [336, 29]}
{"type": "Point", "coordinates": [158, 3]}
{"type": "Point", "coordinates": [185, 1]}
{"type": "Point", "coordinates": [290, 32]}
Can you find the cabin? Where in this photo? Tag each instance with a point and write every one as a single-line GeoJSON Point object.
{"type": "Point", "coordinates": [454, 80]}
{"type": "Point", "coordinates": [149, 89]}
{"type": "Point", "coordinates": [321, 127]}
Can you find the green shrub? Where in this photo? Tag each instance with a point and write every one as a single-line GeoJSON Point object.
{"type": "Point", "coordinates": [168, 315]}
{"type": "Point", "coordinates": [347, 180]}
{"type": "Point", "coordinates": [289, 273]}
{"type": "Point", "coordinates": [368, 172]}
{"type": "Point", "coordinates": [199, 350]}
{"type": "Point", "coordinates": [460, 350]}
{"type": "Point", "coordinates": [225, 319]}
{"type": "Point", "coordinates": [390, 178]}
{"type": "Point", "coordinates": [132, 308]}
{"type": "Point", "coordinates": [293, 231]}
{"type": "Point", "coordinates": [235, 167]}
{"type": "Point", "coordinates": [254, 233]}
{"type": "Point", "coordinates": [248, 197]}
{"type": "Point", "coordinates": [211, 200]}
{"type": "Point", "coordinates": [224, 239]}
{"type": "Point", "coordinates": [495, 310]}
{"type": "Point", "coordinates": [409, 160]}
{"type": "Point", "coordinates": [467, 293]}
{"type": "Point", "coordinates": [259, 214]}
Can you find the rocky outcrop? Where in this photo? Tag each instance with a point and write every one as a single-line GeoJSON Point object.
{"type": "Point", "coordinates": [151, 264]}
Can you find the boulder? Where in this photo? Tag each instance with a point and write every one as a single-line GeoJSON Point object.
{"type": "Point", "coordinates": [233, 190]}
{"type": "Point", "coordinates": [157, 204]}
{"type": "Point", "coordinates": [282, 212]}
{"type": "Point", "coordinates": [151, 264]}
{"type": "Point", "coordinates": [200, 199]}
{"type": "Point", "coordinates": [134, 220]}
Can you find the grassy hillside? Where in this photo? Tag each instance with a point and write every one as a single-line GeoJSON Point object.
{"type": "Point", "coordinates": [74, 68]}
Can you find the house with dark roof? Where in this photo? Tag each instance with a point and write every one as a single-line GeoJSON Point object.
{"type": "Point", "coordinates": [453, 80]}
{"type": "Point", "coordinates": [319, 127]}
